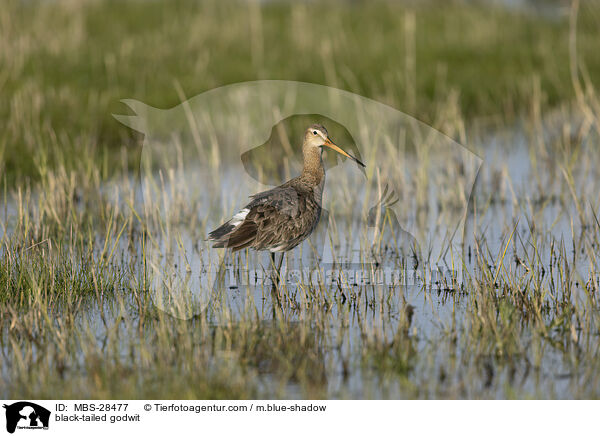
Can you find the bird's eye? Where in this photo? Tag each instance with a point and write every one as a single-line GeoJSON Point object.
{"type": "Point", "coordinates": [315, 132]}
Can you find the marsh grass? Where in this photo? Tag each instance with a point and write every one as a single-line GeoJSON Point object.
{"type": "Point", "coordinates": [78, 313]}
{"type": "Point", "coordinates": [79, 317]}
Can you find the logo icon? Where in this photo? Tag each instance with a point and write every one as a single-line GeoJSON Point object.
{"type": "Point", "coordinates": [214, 150]}
{"type": "Point", "coordinates": [26, 415]}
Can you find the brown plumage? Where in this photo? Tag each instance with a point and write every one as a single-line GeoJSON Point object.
{"type": "Point", "coordinates": [281, 218]}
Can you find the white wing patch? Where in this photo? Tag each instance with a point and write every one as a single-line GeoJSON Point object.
{"type": "Point", "coordinates": [239, 217]}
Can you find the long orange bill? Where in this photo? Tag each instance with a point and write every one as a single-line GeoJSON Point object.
{"type": "Point", "coordinates": [331, 145]}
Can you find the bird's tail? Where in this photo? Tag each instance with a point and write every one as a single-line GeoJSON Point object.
{"type": "Point", "coordinates": [220, 234]}
{"type": "Point", "coordinates": [235, 233]}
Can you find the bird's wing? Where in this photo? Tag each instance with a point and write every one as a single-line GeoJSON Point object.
{"type": "Point", "coordinates": [282, 217]}
{"type": "Point", "coordinates": [271, 216]}
{"type": "Point", "coordinates": [282, 201]}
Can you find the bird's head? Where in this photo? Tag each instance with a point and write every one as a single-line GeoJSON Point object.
{"type": "Point", "coordinates": [316, 136]}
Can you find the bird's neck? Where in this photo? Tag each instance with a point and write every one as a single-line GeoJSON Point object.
{"type": "Point", "coordinates": [313, 171]}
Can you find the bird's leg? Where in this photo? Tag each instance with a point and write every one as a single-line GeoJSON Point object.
{"type": "Point", "coordinates": [279, 266]}
{"type": "Point", "coordinates": [276, 270]}
{"type": "Point", "coordinates": [276, 302]}
{"type": "Point", "coordinates": [273, 274]}
{"type": "Point", "coordinates": [275, 287]}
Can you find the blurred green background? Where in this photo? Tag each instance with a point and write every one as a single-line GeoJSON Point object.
{"type": "Point", "coordinates": [64, 65]}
